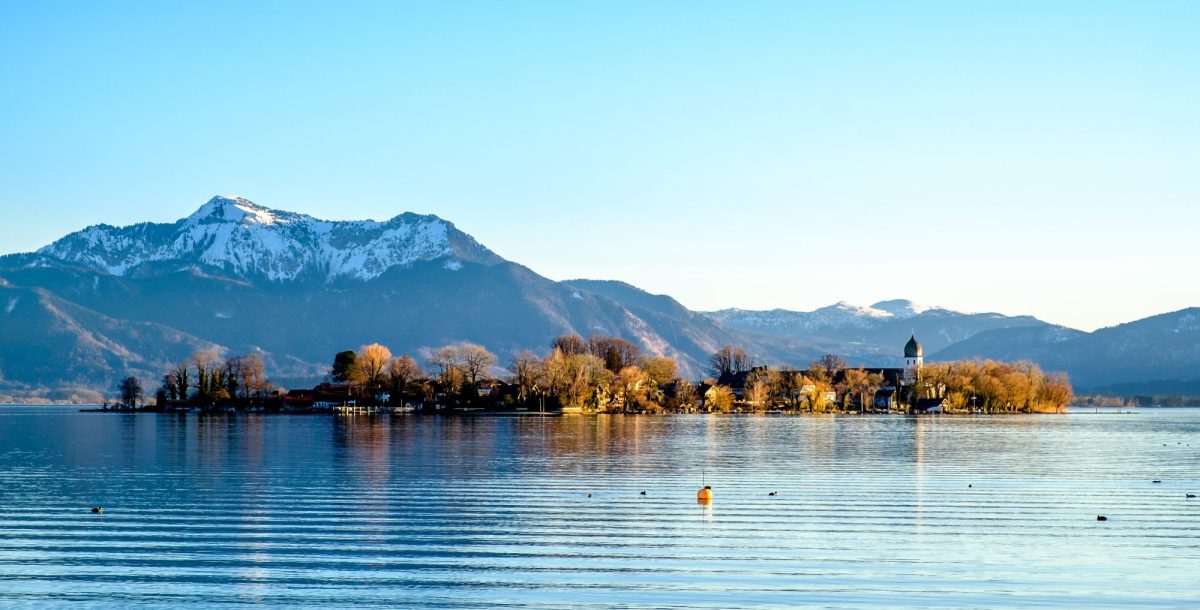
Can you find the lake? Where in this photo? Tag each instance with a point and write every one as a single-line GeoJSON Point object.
{"type": "Point", "coordinates": [493, 512]}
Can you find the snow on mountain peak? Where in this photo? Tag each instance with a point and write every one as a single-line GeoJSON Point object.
{"type": "Point", "coordinates": [234, 209]}
{"type": "Point", "coordinates": [840, 315]}
{"type": "Point", "coordinates": [238, 235]}
{"type": "Point", "coordinates": [901, 308]}
{"type": "Point", "coordinates": [858, 310]}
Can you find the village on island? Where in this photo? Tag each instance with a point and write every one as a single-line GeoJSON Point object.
{"type": "Point", "coordinates": [601, 374]}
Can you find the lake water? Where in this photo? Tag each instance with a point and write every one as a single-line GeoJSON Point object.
{"type": "Point", "coordinates": [493, 512]}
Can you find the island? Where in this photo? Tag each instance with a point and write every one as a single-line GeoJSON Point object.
{"type": "Point", "coordinates": [601, 374]}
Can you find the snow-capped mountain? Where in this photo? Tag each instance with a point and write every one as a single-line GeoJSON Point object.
{"type": "Point", "coordinates": [841, 315]}
{"type": "Point", "coordinates": [872, 334]}
{"type": "Point", "coordinates": [903, 308]}
{"type": "Point", "coordinates": [240, 237]}
{"type": "Point", "coordinates": [108, 301]}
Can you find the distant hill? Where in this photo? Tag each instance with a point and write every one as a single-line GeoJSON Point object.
{"type": "Point", "coordinates": [870, 335]}
{"type": "Point", "coordinates": [56, 349]}
{"type": "Point", "coordinates": [1159, 354]}
{"type": "Point", "coordinates": [1021, 343]}
{"type": "Point", "coordinates": [697, 333]}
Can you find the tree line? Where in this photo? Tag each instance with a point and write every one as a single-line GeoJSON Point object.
{"type": "Point", "coordinates": [205, 379]}
{"type": "Point", "coordinates": [828, 384]}
{"type": "Point", "coordinates": [376, 376]}
{"type": "Point", "coordinates": [599, 372]}
{"type": "Point", "coordinates": [603, 373]}
{"type": "Point", "coordinates": [995, 387]}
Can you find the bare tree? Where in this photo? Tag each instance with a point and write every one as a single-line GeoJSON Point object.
{"type": "Point", "coordinates": [402, 371]}
{"type": "Point", "coordinates": [758, 389]}
{"type": "Point", "coordinates": [571, 345]}
{"type": "Point", "coordinates": [789, 384]}
{"type": "Point", "coordinates": [616, 352]}
{"type": "Point", "coordinates": [370, 368]}
{"type": "Point", "coordinates": [526, 369]}
{"type": "Point", "coordinates": [729, 360]}
{"type": "Point", "coordinates": [1056, 393]}
{"type": "Point", "coordinates": [576, 380]}
{"type": "Point", "coordinates": [251, 376]}
{"type": "Point", "coordinates": [827, 366]}
{"type": "Point", "coordinates": [721, 399]}
{"type": "Point", "coordinates": [685, 394]}
{"type": "Point", "coordinates": [169, 389]}
{"type": "Point", "coordinates": [814, 390]}
{"type": "Point", "coordinates": [444, 361]}
{"type": "Point", "coordinates": [205, 362]}
{"type": "Point", "coordinates": [131, 391]}
{"type": "Point", "coordinates": [233, 375]}
{"type": "Point", "coordinates": [475, 361]}
{"type": "Point", "coordinates": [994, 386]}
{"type": "Point", "coordinates": [660, 370]}
{"type": "Point", "coordinates": [181, 376]}
{"type": "Point", "coordinates": [863, 385]}
{"type": "Point", "coordinates": [630, 385]}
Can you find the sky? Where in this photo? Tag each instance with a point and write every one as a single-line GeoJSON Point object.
{"type": "Point", "coordinates": [1023, 157]}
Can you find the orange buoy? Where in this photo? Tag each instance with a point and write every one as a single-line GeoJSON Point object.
{"type": "Point", "coordinates": [704, 496]}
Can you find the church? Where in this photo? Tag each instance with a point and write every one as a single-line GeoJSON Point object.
{"type": "Point", "coordinates": [897, 391]}
{"type": "Point", "coordinates": [913, 358]}
{"type": "Point", "coordinates": [898, 383]}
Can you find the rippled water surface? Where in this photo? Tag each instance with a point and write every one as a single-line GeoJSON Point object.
{"type": "Point", "coordinates": [487, 512]}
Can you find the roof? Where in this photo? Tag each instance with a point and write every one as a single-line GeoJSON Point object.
{"type": "Point", "coordinates": [924, 404]}
{"type": "Point", "coordinates": [890, 375]}
{"type": "Point", "coordinates": [912, 349]}
{"type": "Point", "coordinates": [733, 380]}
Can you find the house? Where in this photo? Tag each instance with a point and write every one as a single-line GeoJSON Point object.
{"type": "Point", "coordinates": [736, 380]}
{"type": "Point", "coordinates": [885, 399]}
{"type": "Point", "coordinates": [323, 396]}
{"type": "Point", "coordinates": [896, 381]}
{"type": "Point", "coordinates": [809, 389]}
{"type": "Point", "coordinates": [928, 405]}
{"type": "Point", "coordinates": [707, 393]}
{"type": "Point", "coordinates": [486, 388]}
{"type": "Point", "coordinates": [298, 400]}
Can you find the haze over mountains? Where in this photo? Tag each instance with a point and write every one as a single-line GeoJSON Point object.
{"type": "Point", "coordinates": [108, 301]}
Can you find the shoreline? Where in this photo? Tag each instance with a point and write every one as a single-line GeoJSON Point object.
{"type": "Point", "coordinates": [1082, 410]}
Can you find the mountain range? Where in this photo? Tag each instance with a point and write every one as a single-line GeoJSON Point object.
{"type": "Point", "coordinates": [106, 302]}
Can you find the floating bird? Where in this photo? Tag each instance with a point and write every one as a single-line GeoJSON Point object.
{"type": "Point", "coordinates": [1101, 518]}
{"type": "Point", "coordinates": [643, 493]}
{"type": "Point", "coordinates": [968, 485]}
{"type": "Point", "coordinates": [1156, 481]}
{"type": "Point", "coordinates": [774, 493]}
{"type": "Point", "coordinates": [589, 495]}
{"type": "Point", "coordinates": [1191, 495]}
{"type": "Point", "coordinates": [98, 510]}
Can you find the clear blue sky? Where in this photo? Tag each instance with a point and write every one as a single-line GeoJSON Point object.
{"type": "Point", "coordinates": [1039, 157]}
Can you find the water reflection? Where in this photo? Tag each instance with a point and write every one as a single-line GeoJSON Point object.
{"type": "Point", "coordinates": [407, 511]}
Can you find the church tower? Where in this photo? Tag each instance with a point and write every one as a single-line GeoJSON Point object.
{"type": "Point", "coordinates": [912, 360]}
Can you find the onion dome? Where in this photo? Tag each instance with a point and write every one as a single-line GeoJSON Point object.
{"type": "Point", "coordinates": [912, 349]}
